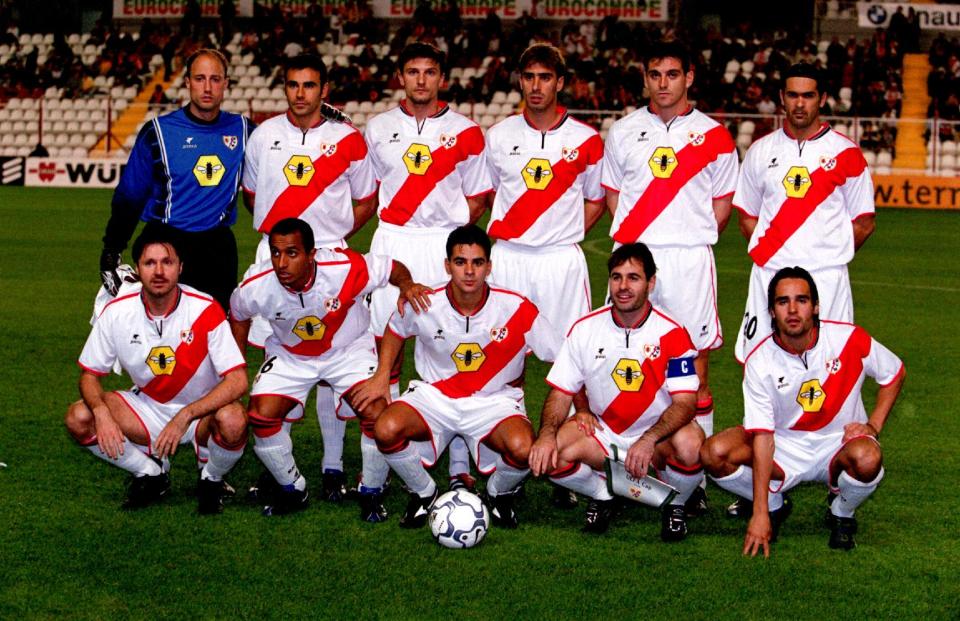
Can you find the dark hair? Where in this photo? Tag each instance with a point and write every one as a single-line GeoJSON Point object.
{"type": "Point", "coordinates": [546, 55]}
{"type": "Point", "coordinates": [791, 272]}
{"type": "Point", "coordinates": [668, 49]}
{"type": "Point", "coordinates": [206, 51]}
{"type": "Point", "coordinates": [467, 235]}
{"type": "Point", "coordinates": [803, 70]}
{"type": "Point", "coordinates": [288, 226]}
{"type": "Point", "coordinates": [419, 49]}
{"type": "Point", "coordinates": [150, 236]}
{"type": "Point", "coordinates": [636, 251]}
{"type": "Point", "coordinates": [306, 61]}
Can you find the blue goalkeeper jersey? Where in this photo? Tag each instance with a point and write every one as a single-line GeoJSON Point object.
{"type": "Point", "coordinates": [185, 172]}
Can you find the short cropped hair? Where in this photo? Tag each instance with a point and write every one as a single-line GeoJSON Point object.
{"type": "Point", "coordinates": [546, 55]}
{"type": "Point", "coordinates": [636, 251]}
{"type": "Point", "coordinates": [151, 236]}
{"type": "Point", "coordinates": [306, 61]}
{"type": "Point", "coordinates": [669, 49]}
{"type": "Point", "coordinates": [288, 226]}
{"type": "Point", "coordinates": [803, 70]}
{"type": "Point", "coordinates": [419, 49]}
{"type": "Point", "coordinates": [212, 53]}
{"type": "Point", "coordinates": [467, 235]}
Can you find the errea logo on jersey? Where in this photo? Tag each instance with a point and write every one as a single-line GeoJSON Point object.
{"type": "Point", "coordinates": [309, 328]}
{"type": "Point", "coordinates": [663, 162]}
{"type": "Point", "coordinates": [298, 170]}
{"type": "Point", "coordinates": [811, 396]}
{"type": "Point", "coordinates": [161, 360]}
{"type": "Point", "coordinates": [468, 357]}
{"type": "Point", "coordinates": [537, 174]}
{"type": "Point", "coordinates": [417, 159]}
{"type": "Point", "coordinates": [627, 375]}
{"type": "Point", "coordinates": [797, 182]}
{"type": "Point", "coordinates": [208, 170]}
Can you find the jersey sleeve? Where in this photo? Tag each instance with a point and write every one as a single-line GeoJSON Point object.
{"type": "Point", "coordinates": [593, 175]}
{"type": "Point", "coordinates": [757, 402]}
{"type": "Point", "coordinates": [241, 307]}
{"type": "Point", "coordinates": [405, 326]}
{"type": "Point", "coordinates": [490, 159]}
{"type": "Point", "coordinates": [749, 195]}
{"type": "Point", "coordinates": [858, 191]}
{"type": "Point", "coordinates": [378, 272]}
{"type": "Point", "coordinates": [612, 175]}
{"type": "Point", "coordinates": [882, 364]}
{"type": "Point", "coordinates": [681, 376]}
{"type": "Point", "coordinates": [223, 350]}
{"type": "Point", "coordinates": [474, 175]}
{"type": "Point", "coordinates": [134, 190]}
{"type": "Point", "coordinates": [99, 352]}
{"type": "Point", "coordinates": [361, 173]}
{"type": "Point", "coordinates": [567, 374]}
{"type": "Point", "coordinates": [370, 140]}
{"type": "Point", "coordinates": [251, 162]}
{"type": "Point", "coordinates": [725, 174]}
{"type": "Point", "coordinates": [543, 338]}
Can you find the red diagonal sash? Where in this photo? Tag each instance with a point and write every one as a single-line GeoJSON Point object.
{"type": "Point", "coordinates": [794, 212]}
{"type": "Point", "coordinates": [661, 192]}
{"type": "Point", "coordinates": [187, 358]}
{"type": "Point", "coordinates": [497, 355]}
{"type": "Point", "coordinates": [296, 199]}
{"type": "Point", "coordinates": [838, 385]}
{"type": "Point", "coordinates": [417, 187]}
{"type": "Point", "coordinates": [534, 203]}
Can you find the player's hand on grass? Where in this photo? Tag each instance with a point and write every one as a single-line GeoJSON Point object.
{"type": "Point", "coordinates": [852, 430]}
{"type": "Point", "coordinates": [109, 262]}
{"type": "Point", "coordinates": [416, 295]}
{"type": "Point", "coordinates": [109, 437]}
{"type": "Point", "coordinates": [169, 439]}
{"type": "Point", "coordinates": [587, 423]}
{"type": "Point", "coordinates": [639, 457]}
{"type": "Point", "coordinates": [543, 455]}
{"type": "Point", "coordinates": [376, 387]}
{"type": "Point", "coordinates": [758, 535]}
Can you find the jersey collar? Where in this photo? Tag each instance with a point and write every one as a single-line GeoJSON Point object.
{"type": "Point", "coordinates": [306, 287]}
{"type": "Point", "coordinates": [683, 114]}
{"type": "Point", "coordinates": [640, 322]}
{"type": "Point", "coordinates": [442, 108]}
{"type": "Point", "coordinates": [823, 131]}
{"type": "Point", "coordinates": [195, 119]}
{"type": "Point", "coordinates": [297, 127]}
{"type": "Point", "coordinates": [483, 302]}
{"type": "Point", "coordinates": [793, 352]}
{"type": "Point", "coordinates": [146, 309]}
{"type": "Point", "coordinates": [564, 115]}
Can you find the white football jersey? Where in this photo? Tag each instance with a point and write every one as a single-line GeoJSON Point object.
{"type": "Point", "coordinates": [177, 358]}
{"type": "Point", "coordinates": [541, 179]}
{"type": "Point", "coordinates": [327, 314]}
{"type": "Point", "coordinates": [630, 372]}
{"type": "Point", "coordinates": [668, 175]}
{"type": "Point", "coordinates": [312, 175]}
{"type": "Point", "coordinates": [478, 354]}
{"type": "Point", "coordinates": [805, 195]}
{"type": "Point", "coordinates": [426, 170]}
{"type": "Point", "coordinates": [816, 392]}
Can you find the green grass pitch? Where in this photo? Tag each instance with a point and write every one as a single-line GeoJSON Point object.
{"type": "Point", "coordinates": [67, 551]}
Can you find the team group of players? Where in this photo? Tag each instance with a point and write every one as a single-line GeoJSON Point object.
{"type": "Point", "coordinates": [630, 377]}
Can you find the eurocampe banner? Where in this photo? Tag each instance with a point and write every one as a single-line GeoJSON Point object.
{"type": "Point", "coordinates": [72, 173]}
{"type": "Point", "coordinates": [931, 16]}
{"type": "Point", "coordinates": [173, 9]}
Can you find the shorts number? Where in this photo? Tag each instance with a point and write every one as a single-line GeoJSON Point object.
{"type": "Point", "coordinates": [750, 328]}
{"type": "Point", "coordinates": [267, 365]}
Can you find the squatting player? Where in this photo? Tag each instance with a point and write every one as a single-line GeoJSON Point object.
{"type": "Point", "coordinates": [670, 172]}
{"type": "Point", "coordinates": [804, 418]}
{"type": "Point", "coordinates": [305, 165]}
{"type": "Point", "coordinates": [312, 299]}
{"type": "Point", "coordinates": [176, 346]}
{"type": "Point", "coordinates": [427, 158]}
{"type": "Point", "coordinates": [637, 365]}
{"type": "Point", "coordinates": [470, 346]}
{"type": "Point", "coordinates": [182, 177]}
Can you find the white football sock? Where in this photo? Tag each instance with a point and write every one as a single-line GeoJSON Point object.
{"type": "Point", "coordinates": [375, 468]}
{"type": "Point", "coordinates": [276, 453]}
{"type": "Point", "coordinates": [585, 480]}
{"type": "Point", "coordinates": [406, 463]}
{"type": "Point", "coordinates": [506, 479]}
{"type": "Point", "coordinates": [394, 391]}
{"type": "Point", "coordinates": [852, 494]}
{"type": "Point", "coordinates": [459, 456]}
{"type": "Point", "coordinates": [133, 460]}
{"type": "Point", "coordinates": [741, 484]}
{"type": "Point", "coordinates": [332, 429]}
{"type": "Point", "coordinates": [681, 481]}
{"type": "Point", "coordinates": [220, 461]}
{"type": "Point", "coordinates": [203, 455]}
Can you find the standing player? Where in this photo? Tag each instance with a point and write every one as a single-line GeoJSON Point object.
{"type": "Point", "coordinates": [319, 333]}
{"type": "Point", "coordinates": [637, 366]}
{"type": "Point", "coordinates": [182, 177]}
{"type": "Point", "coordinates": [670, 172]}
{"type": "Point", "coordinates": [175, 345]}
{"type": "Point", "coordinates": [305, 165]}
{"type": "Point", "coordinates": [805, 197]}
{"type": "Point", "coordinates": [432, 179]}
{"type": "Point", "coordinates": [471, 344]}
{"type": "Point", "coordinates": [804, 418]}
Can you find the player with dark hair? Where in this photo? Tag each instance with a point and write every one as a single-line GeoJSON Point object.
{"type": "Point", "coordinates": [176, 346]}
{"type": "Point", "coordinates": [637, 366]}
{"type": "Point", "coordinates": [670, 172]}
{"type": "Point", "coordinates": [312, 165]}
{"type": "Point", "coordinates": [432, 178]}
{"type": "Point", "coordinates": [182, 177]}
{"type": "Point", "coordinates": [470, 347]}
{"type": "Point", "coordinates": [312, 298]}
{"type": "Point", "coordinates": [804, 418]}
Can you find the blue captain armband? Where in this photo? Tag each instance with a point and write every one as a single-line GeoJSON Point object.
{"type": "Point", "coordinates": [681, 367]}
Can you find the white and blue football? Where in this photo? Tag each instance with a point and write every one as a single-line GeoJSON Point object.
{"type": "Point", "coordinates": [459, 519]}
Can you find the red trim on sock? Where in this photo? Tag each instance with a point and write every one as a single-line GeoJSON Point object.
{"type": "Point", "coordinates": [689, 470]}
{"type": "Point", "coordinates": [396, 448]}
{"type": "Point", "coordinates": [88, 441]}
{"type": "Point", "coordinates": [510, 462]}
{"type": "Point", "coordinates": [218, 439]}
{"type": "Point", "coordinates": [264, 427]}
{"type": "Point", "coordinates": [566, 471]}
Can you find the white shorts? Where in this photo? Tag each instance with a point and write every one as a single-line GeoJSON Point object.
{"type": "Point", "coordinates": [473, 418]}
{"type": "Point", "coordinates": [836, 303]}
{"type": "Point", "coordinates": [555, 278]}
{"type": "Point", "coordinates": [154, 416]}
{"type": "Point", "coordinates": [804, 461]}
{"type": "Point", "coordinates": [289, 375]}
{"type": "Point", "coordinates": [687, 290]}
{"type": "Point", "coordinates": [421, 250]}
{"type": "Point", "coordinates": [260, 327]}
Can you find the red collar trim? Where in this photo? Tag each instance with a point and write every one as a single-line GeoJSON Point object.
{"type": "Point", "coordinates": [483, 302]}
{"type": "Point", "coordinates": [640, 322]}
{"type": "Point", "coordinates": [314, 126]}
{"type": "Point", "coordinates": [442, 108]}
{"type": "Point", "coordinates": [562, 111]}
{"type": "Point", "coordinates": [790, 350]}
{"type": "Point", "coordinates": [824, 128]}
{"type": "Point", "coordinates": [306, 287]}
{"type": "Point", "coordinates": [651, 109]}
{"type": "Point", "coordinates": [146, 309]}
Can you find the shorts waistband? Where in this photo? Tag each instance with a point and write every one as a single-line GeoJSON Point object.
{"type": "Point", "coordinates": [514, 247]}
{"type": "Point", "coordinates": [418, 231]}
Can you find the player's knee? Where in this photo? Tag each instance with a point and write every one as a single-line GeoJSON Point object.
{"type": "Point", "coordinates": [231, 423]}
{"type": "Point", "coordinates": [866, 461]}
{"type": "Point", "coordinates": [713, 454]}
{"type": "Point", "coordinates": [687, 443]}
{"type": "Point", "coordinates": [388, 431]}
{"type": "Point", "coordinates": [517, 450]}
{"type": "Point", "coordinates": [79, 420]}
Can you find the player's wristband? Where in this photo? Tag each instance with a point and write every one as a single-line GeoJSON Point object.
{"type": "Point", "coordinates": [876, 432]}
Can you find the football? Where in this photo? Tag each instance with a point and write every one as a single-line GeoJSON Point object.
{"type": "Point", "coordinates": [459, 519]}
